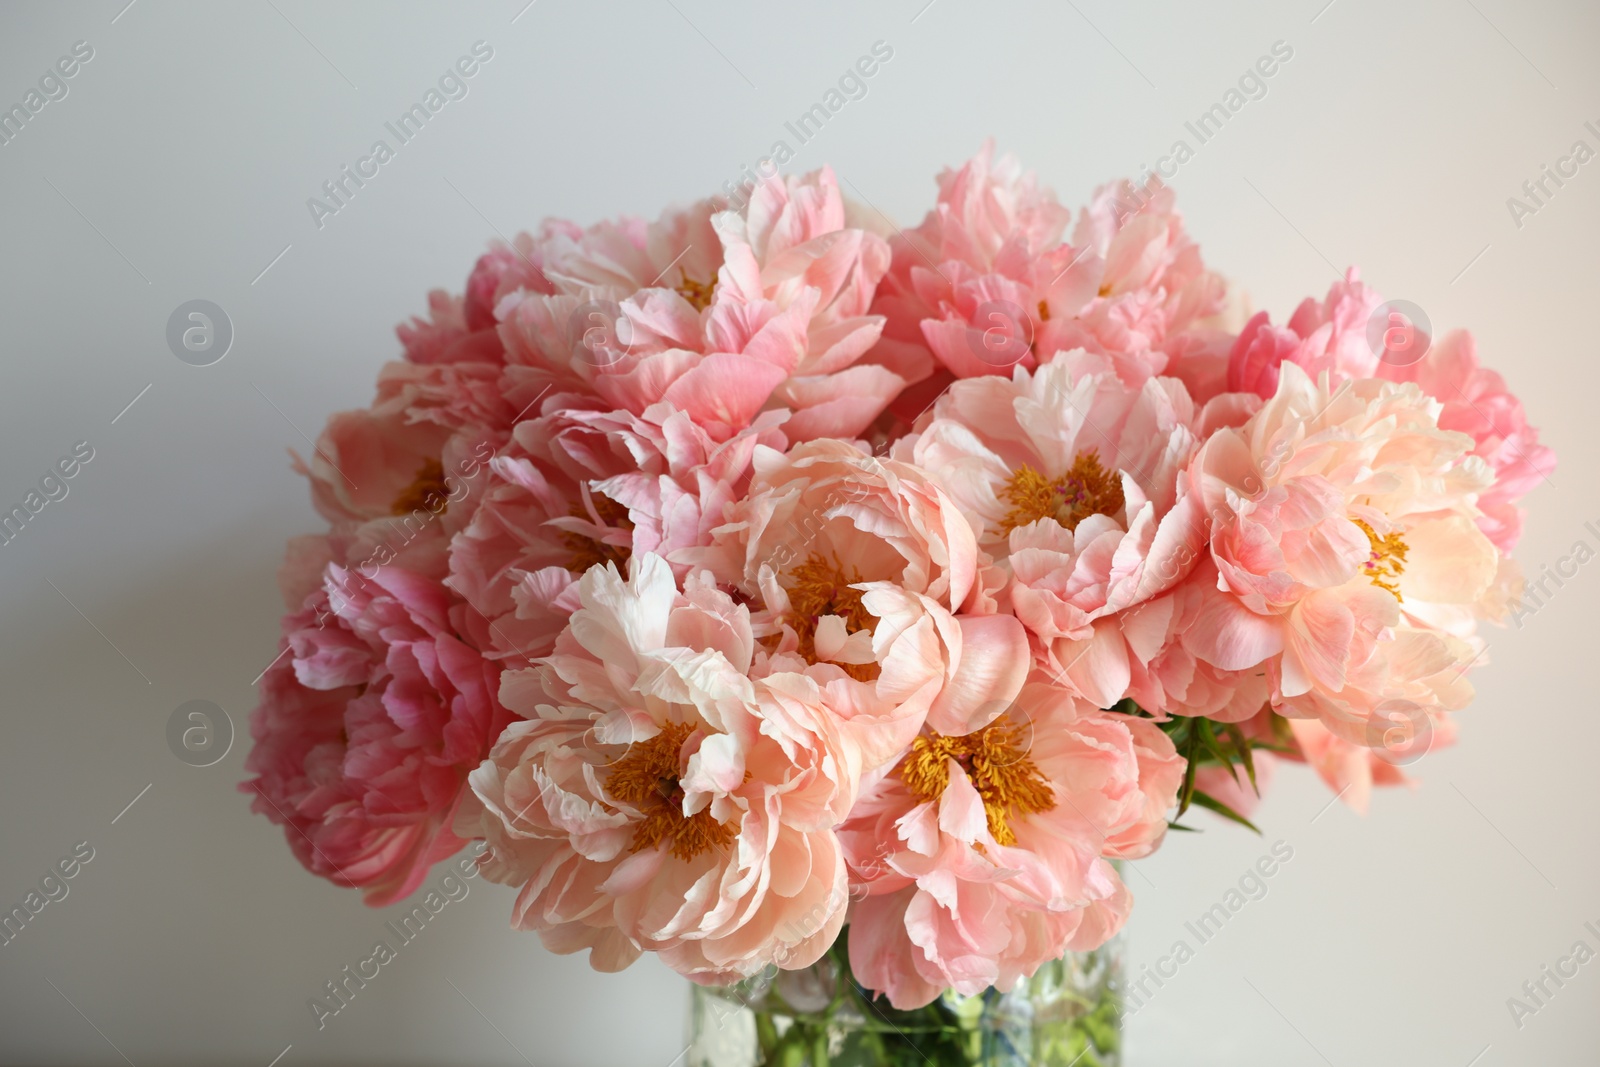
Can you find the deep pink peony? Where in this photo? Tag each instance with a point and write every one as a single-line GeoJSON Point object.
{"type": "Point", "coordinates": [1330, 336]}
{"type": "Point", "coordinates": [367, 727]}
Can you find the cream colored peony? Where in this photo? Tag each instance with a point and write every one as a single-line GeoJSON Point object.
{"type": "Point", "coordinates": [660, 798]}
{"type": "Point", "coordinates": [1348, 554]}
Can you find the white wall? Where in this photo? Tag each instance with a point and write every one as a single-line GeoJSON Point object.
{"type": "Point", "coordinates": [189, 145]}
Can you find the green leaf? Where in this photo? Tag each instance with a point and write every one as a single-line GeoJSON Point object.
{"type": "Point", "coordinates": [1242, 744]}
{"type": "Point", "coordinates": [1208, 740]}
{"type": "Point", "coordinates": [1191, 764]}
{"type": "Point", "coordinates": [1211, 803]}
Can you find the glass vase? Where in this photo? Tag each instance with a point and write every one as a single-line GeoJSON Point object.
{"type": "Point", "coordinates": [1066, 1015]}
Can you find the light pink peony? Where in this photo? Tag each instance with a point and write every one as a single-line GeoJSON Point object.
{"type": "Point", "coordinates": [987, 283]}
{"type": "Point", "coordinates": [983, 855]}
{"type": "Point", "coordinates": [1073, 478]}
{"type": "Point", "coordinates": [721, 313]}
{"type": "Point", "coordinates": [1352, 771]}
{"type": "Point", "coordinates": [1333, 337]}
{"type": "Point", "coordinates": [979, 280]}
{"type": "Point", "coordinates": [367, 728]}
{"type": "Point", "coordinates": [1153, 287]}
{"type": "Point", "coordinates": [580, 487]}
{"type": "Point", "coordinates": [662, 798]}
{"type": "Point", "coordinates": [396, 479]}
{"type": "Point", "coordinates": [1165, 676]}
{"type": "Point", "coordinates": [462, 329]}
{"type": "Point", "coordinates": [863, 565]}
{"type": "Point", "coordinates": [1348, 556]}
{"type": "Point", "coordinates": [1477, 402]}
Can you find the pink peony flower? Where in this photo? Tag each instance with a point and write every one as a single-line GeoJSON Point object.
{"type": "Point", "coordinates": [1073, 478]}
{"type": "Point", "coordinates": [1330, 336]}
{"type": "Point", "coordinates": [1165, 676]}
{"type": "Point", "coordinates": [576, 488]}
{"type": "Point", "coordinates": [395, 479]}
{"type": "Point", "coordinates": [367, 728]}
{"type": "Point", "coordinates": [986, 283]}
{"type": "Point", "coordinates": [444, 337]}
{"type": "Point", "coordinates": [721, 313]}
{"type": "Point", "coordinates": [1348, 556]}
{"type": "Point", "coordinates": [1407, 734]}
{"type": "Point", "coordinates": [864, 565]}
{"type": "Point", "coordinates": [1333, 337]}
{"type": "Point", "coordinates": [1153, 287]}
{"type": "Point", "coordinates": [662, 797]}
{"type": "Point", "coordinates": [982, 855]}
{"type": "Point", "coordinates": [790, 240]}
{"type": "Point", "coordinates": [979, 280]}
{"type": "Point", "coordinates": [461, 329]}
{"type": "Point", "coordinates": [1477, 402]}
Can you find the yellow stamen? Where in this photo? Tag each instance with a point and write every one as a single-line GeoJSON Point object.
{"type": "Point", "coordinates": [588, 552]}
{"type": "Point", "coordinates": [697, 293]}
{"type": "Point", "coordinates": [1086, 489]}
{"type": "Point", "coordinates": [996, 759]}
{"type": "Point", "coordinates": [1387, 561]}
{"type": "Point", "coordinates": [1044, 311]}
{"type": "Point", "coordinates": [647, 779]}
{"type": "Point", "coordinates": [427, 491]}
{"type": "Point", "coordinates": [819, 587]}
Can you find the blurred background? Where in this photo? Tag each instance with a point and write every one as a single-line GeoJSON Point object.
{"type": "Point", "coordinates": [175, 164]}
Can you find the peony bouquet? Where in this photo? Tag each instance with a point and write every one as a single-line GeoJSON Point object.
{"type": "Point", "coordinates": [824, 606]}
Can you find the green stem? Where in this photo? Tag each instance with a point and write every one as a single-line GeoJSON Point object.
{"type": "Point", "coordinates": [766, 1035]}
